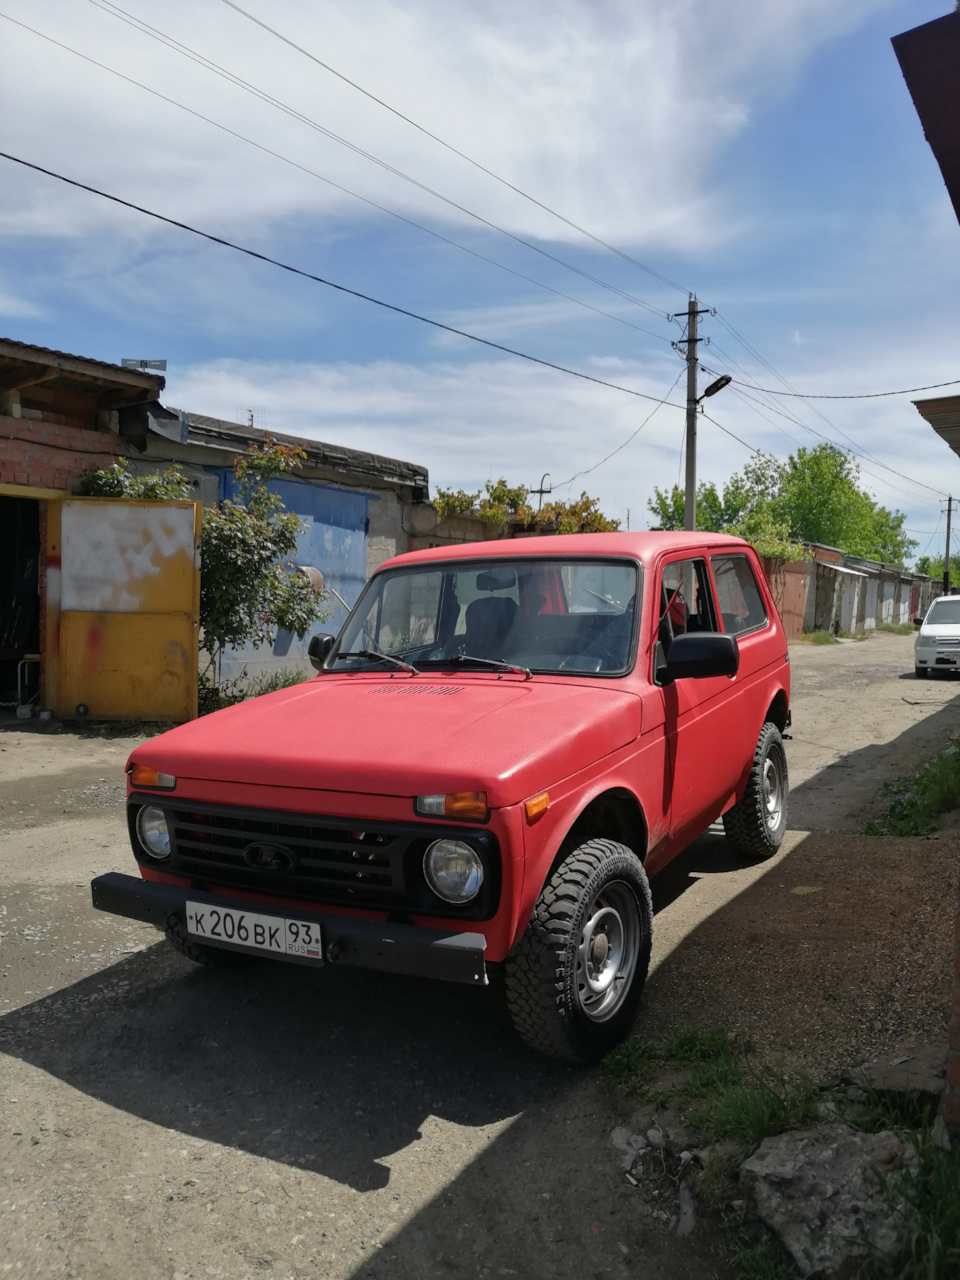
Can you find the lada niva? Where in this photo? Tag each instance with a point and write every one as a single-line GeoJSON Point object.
{"type": "Point", "coordinates": [505, 741]}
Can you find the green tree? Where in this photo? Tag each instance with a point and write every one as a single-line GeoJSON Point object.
{"type": "Point", "coordinates": [933, 568]}
{"type": "Point", "coordinates": [579, 515]}
{"type": "Point", "coordinates": [454, 502]}
{"type": "Point", "coordinates": [248, 587]}
{"type": "Point", "coordinates": [812, 497]}
{"type": "Point", "coordinates": [500, 504]}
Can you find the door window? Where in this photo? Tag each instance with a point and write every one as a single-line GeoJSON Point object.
{"type": "Point", "coordinates": [686, 603]}
{"type": "Point", "coordinates": [741, 601]}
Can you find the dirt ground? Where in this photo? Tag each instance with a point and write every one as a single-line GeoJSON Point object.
{"type": "Point", "coordinates": [161, 1121]}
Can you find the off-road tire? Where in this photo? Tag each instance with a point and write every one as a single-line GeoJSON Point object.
{"type": "Point", "coordinates": [756, 825]}
{"type": "Point", "coordinates": [211, 957]}
{"type": "Point", "coordinates": [921, 672]}
{"type": "Point", "coordinates": [542, 986]}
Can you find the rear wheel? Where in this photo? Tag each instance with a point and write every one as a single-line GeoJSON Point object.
{"type": "Point", "coordinates": [575, 978]}
{"type": "Point", "coordinates": [756, 825]}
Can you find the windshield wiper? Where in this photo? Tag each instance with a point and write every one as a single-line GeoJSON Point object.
{"type": "Point", "coordinates": [381, 657]}
{"type": "Point", "coordinates": [499, 664]}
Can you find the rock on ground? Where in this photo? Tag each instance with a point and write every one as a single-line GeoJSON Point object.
{"type": "Point", "coordinates": [818, 1190]}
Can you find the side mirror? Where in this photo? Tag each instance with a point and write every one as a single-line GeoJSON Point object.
{"type": "Point", "coordinates": [318, 650]}
{"type": "Point", "coordinates": [918, 622]}
{"type": "Point", "coordinates": [700, 654]}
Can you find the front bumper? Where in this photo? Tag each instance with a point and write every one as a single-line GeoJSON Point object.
{"type": "Point", "coordinates": [367, 944]}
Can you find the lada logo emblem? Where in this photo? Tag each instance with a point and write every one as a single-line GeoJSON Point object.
{"type": "Point", "coordinates": [269, 857]}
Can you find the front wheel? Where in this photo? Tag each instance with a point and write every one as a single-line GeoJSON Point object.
{"type": "Point", "coordinates": [921, 672]}
{"type": "Point", "coordinates": [575, 978]}
{"type": "Point", "coordinates": [756, 825]}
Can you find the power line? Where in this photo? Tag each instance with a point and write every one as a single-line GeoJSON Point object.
{"type": "Point", "coordinates": [455, 150]}
{"type": "Point", "coordinates": [331, 284]}
{"type": "Point", "coordinates": [752, 447]}
{"type": "Point", "coordinates": [851, 446]}
{"type": "Point", "coordinates": [666, 400]}
{"type": "Point", "coordinates": [329, 181]}
{"type": "Point", "coordinates": [863, 395]}
{"type": "Point", "coordinates": [153, 33]}
{"type": "Point", "coordinates": [780, 378]}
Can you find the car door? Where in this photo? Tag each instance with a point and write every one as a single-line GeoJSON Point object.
{"type": "Point", "coordinates": [747, 614]}
{"type": "Point", "coordinates": [704, 770]}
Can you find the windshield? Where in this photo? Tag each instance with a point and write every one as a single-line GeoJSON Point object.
{"type": "Point", "coordinates": [944, 612]}
{"type": "Point", "coordinates": [567, 616]}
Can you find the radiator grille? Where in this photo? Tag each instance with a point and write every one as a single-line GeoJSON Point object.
{"type": "Point", "coordinates": [318, 859]}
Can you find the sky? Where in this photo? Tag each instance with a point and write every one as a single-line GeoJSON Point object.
{"type": "Point", "coordinates": [767, 158]}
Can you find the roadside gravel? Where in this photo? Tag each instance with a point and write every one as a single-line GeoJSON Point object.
{"type": "Point", "coordinates": [841, 951]}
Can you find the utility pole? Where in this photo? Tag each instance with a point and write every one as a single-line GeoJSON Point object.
{"type": "Point", "coordinates": [690, 492]}
{"type": "Point", "coordinates": [542, 491]}
{"type": "Point", "coordinates": [946, 554]}
{"type": "Point", "coordinates": [690, 341]}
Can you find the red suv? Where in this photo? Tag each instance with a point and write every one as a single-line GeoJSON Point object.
{"type": "Point", "coordinates": [501, 746]}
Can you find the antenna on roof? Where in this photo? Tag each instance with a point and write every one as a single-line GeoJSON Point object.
{"type": "Point", "coordinates": [144, 365]}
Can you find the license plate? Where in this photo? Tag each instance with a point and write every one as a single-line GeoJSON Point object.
{"type": "Point", "coordinates": [275, 934]}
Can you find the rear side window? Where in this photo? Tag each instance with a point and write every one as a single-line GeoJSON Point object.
{"type": "Point", "coordinates": [740, 599]}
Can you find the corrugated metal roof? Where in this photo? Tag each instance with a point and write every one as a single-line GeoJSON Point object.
{"type": "Point", "coordinates": [217, 432]}
{"type": "Point", "coordinates": [929, 56]}
{"type": "Point", "coordinates": [943, 414]}
{"type": "Point", "coordinates": [25, 353]}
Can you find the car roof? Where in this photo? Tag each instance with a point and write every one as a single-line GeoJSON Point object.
{"type": "Point", "coordinates": [645, 547]}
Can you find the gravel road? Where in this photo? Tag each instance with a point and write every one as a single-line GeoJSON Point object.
{"type": "Point", "coordinates": [161, 1121]}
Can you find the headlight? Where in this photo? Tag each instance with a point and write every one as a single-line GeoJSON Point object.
{"type": "Point", "coordinates": [453, 870]}
{"type": "Point", "coordinates": [153, 833]}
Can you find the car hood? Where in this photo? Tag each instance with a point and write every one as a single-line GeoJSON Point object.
{"type": "Point", "coordinates": [931, 631]}
{"type": "Point", "coordinates": [406, 736]}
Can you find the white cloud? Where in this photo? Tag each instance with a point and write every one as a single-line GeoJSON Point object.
{"type": "Point", "coordinates": [614, 112]}
{"type": "Point", "coordinates": [468, 423]}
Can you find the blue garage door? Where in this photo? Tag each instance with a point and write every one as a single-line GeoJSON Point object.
{"type": "Point", "coordinates": [335, 542]}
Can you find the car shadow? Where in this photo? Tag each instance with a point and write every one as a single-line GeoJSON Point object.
{"type": "Point", "coordinates": [331, 1070]}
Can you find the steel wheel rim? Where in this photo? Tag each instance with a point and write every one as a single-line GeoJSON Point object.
{"type": "Point", "coordinates": [773, 790]}
{"type": "Point", "coordinates": [608, 950]}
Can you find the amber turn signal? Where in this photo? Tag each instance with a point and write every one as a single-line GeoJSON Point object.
{"type": "Point", "coordinates": [141, 775]}
{"type": "Point", "coordinates": [537, 805]}
{"type": "Point", "coordinates": [471, 805]}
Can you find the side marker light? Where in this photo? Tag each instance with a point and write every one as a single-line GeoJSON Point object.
{"type": "Point", "coordinates": [537, 805]}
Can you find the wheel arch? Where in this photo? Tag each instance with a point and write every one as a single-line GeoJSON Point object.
{"type": "Point", "coordinates": [778, 711]}
{"type": "Point", "coordinates": [614, 814]}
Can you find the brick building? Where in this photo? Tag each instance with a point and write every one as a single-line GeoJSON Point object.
{"type": "Point", "coordinates": [60, 415]}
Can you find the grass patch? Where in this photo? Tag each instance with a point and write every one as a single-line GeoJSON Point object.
{"type": "Point", "coordinates": [929, 1234]}
{"type": "Point", "coordinates": [917, 801]}
{"type": "Point", "coordinates": [230, 692]}
{"type": "Point", "coordinates": [729, 1104]}
{"type": "Point", "coordinates": [762, 1259]}
{"type": "Point", "coordinates": [815, 637]}
{"type": "Point", "coordinates": [897, 628]}
{"type": "Point", "coordinates": [724, 1095]}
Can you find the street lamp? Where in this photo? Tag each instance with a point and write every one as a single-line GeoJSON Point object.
{"type": "Point", "coordinates": [723, 381]}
